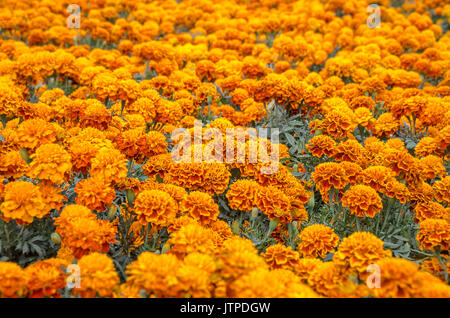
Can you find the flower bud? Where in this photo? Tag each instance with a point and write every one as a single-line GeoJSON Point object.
{"type": "Point", "coordinates": [254, 213]}
{"type": "Point", "coordinates": [24, 153]}
{"type": "Point", "coordinates": [55, 238]}
{"type": "Point", "coordinates": [112, 212]}
{"type": "Point", "coordinates": [235, 227]}
{"type": "Point", "coordinates": [130, 196]}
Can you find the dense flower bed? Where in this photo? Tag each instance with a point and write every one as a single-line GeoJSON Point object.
{"type": "Point", "coordinates": [92, 203]}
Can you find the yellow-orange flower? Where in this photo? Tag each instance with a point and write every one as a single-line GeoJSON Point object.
{"type": "Point", "coordinates": [50, 162]}
{"type": "Point", "coordinates": [22, 201]}
{"type": "Point", "coordinates": [362, 201]}
{"type": "Point", "coordinates": [317, 240]}
{"type": "Point", "coordinates": [155, 206]}
{"type": "Point", "coordinates": [201, 206]}
{"type": "Point", "coordinates": [13, 280]}
{"type": "Point", "coordinates": [242, 195]}
{"type": "Point", "coordinates": [48, 278]}
{"type": "Point", "coordinates": [359, 250]}
{"type": "Point", "coordinates": [434, 233]}
{"type": "Point", "coordinates": [109, 165]}
{"type": "Point", "coordinates": [280, 256]}
{"type": "Point", "coordinates": [94, 194]}
{"type": "Point", "coordinates": [98, 276]}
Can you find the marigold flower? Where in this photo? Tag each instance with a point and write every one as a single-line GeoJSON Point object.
{"type": "Point", "coordinates": [201, 206]}
{"type": "Point", "coordinates": [242, 195]}
{"type": "Point", "coordinates": [155, 206]}
{"type": "Point", "coordinates": [12, 165]}
{"type": "Point", "coordinates": [431, 166]}
{"type": "Point", "coordinates": [50, 162]}
{"type": "Point", "coordinates": [48, 278]}
{"type": "Point", "coordinates": [357, 251]}
{"type": "Point", "coordinates": [156, 274]}
{"type": "Point", "coordinates": [109, 165]}
{"type": "Point", "coordinates": [277, 283]}
{"type": "Point", "coordinates": [362, 201]}
{"type": "Point", "coordinates": [441, 190]}
{"type": "Point", "coordinates": [51, 195]}
{"type": "Point", "coordinates": [329, 175]}
{"type": "Point", "coordinates": [98, 276]}
{"type": "Point", "coordinates": [280, 256]}
{"type": "Point", "coordinates": [22, 201]}
{"type": "Point", "coordinates": [321, 145]}
{"type": "Point", "coordinates": [329, 280]}
{"type": "Point", "coordinates": [82, 232]}
{"type": "Point", "coordinates": [35, 132]}
{"type": "Point", "coordinates": [434, 233]}
{"type": "Point", "coordinates": [398, 278]}
{"type": "Point", "coordinates": [94, 194]}
{"type": "Point", "coordinates": [274, 203]}
{"type": "Point", "coordinates": [238, 257]}
{"type": "Point", "coordinates": [157, 165]}
{"type": "Point", "coordinates": [304, 267]}
{"type": "Point", "coordinates": [13, 280]}
{"type": "Point", "coordinates": [428, 210]}
{"type": "Point", "coordinates": [317, 240]}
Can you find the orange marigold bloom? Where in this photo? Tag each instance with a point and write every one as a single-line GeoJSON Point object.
{"type": "Point", "coordinates": [155, 274]}
{"type": "Point", "coordinates": [396, 189]}
{"type": "Point", "coordinates": [242, 195]}
{"type": "Point", "coordinates": [317, 240]}
{"type": "Point", "coordinates": [431, 166]}
{"type": "Point", "coordinates": [377, 177]}
{"type": "Point", "coordinates": [350, 150]}
{"type": "Point", "coordinates": [339, 122]}
{"type": "Point", "coordinates": [13, 280]}
{"type": "Point", "coordinates": [353, 171]}
{"type": "Point", "coordinates": [48, 278]}
{"type": "Point", "coordinates": [362, 201]}
{"type": "Point", "coordinates": [94, 194]}
{"type": "Point", "coordinates": [145, 107]}
{"type": "Point", "coordinates": [358, 251]}
{"type": "Point", "coordinates": [263, 283]}
{"type": "Point", "coordinates": [434, 233]}
{"type": "Point", "coordinates": [400, 161]}
{"type": "Point", "coordinates": [427, 146]}
{"type": "Point", "coordinates": [386, 125]}
{"type": "Point", "coordinates": [155, 206]}
{"type": "Point", "coordinates": [32, 133]}
{"type": "Point", "coordinates": [109, 165]}
{"type": "Point", "coordinates": [157, 165]}
{"type": "Point", "coordinates": [441, 190]}
{"type": "Point", "coordinates": [398, 278]}
{"type": "Point", "coordinates": [51, 195]}
{"type": "Point", "coordinates": [22, 201]}
{"type": "Point", "coordinates": [12, 165]}
{"type": "Point", "coordinates": [201, 206]}
{"type": "Point", "coordinates": [207, 177]}
{"type": "Point", "coordinates": [304, 267]}
{"type": "Point", "coordinates": [321, 145]}
{"type": "Point", "coordinates": [50, 162]}
{"type": "Point", "coordinates": [82, 233]}
{"type": "Point", "coordinates": [330, 280]}
{"type": "Point", "coordinates": [192, 238]}
{"type": "Point", "coordinates": [280, 256]}
{"type": "Point", "coordinates": [98, 276]}
{"type": "Point", "coordinates": [274, 203]}
{"type": "Point", "coordinates": [71, 212]}
{"type": "Point", "coordinates": [84, 236]}
{"type": "Point", "coordinates": [238, 257]}
{"type": "Point", "coordinates": [428, 210]}
{"type": "Point", "coordinates": [329, 174]}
